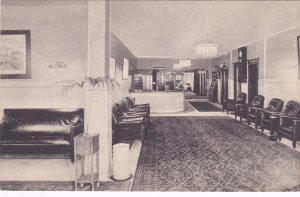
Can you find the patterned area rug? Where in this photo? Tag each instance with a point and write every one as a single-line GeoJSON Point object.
{"type": "Point", "coordinates": [204, 106]}
{"type": "Point", "coordinates": [213, 154]}
{"type": "Point", "coordinates": [61, 186]}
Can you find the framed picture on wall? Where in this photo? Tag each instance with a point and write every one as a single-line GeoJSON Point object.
{"type": "Point", "coordinates": [112, 68]}
{"type": "Point", "coordinates": [125, 69]}
{"type": "Point", "coordinates": [298, 48]}
{"type": "Point", "coordinates": [15, 54]}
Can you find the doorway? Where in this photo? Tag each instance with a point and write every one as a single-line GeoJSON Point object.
{"type": "Point", "coordinates": [158, 76]}
{"type": "Point", "coordinates": [224, 81]}
{"type": "Point", "coordinates": [202, 82]}
{"type": "Point", "coordinates": [252, 79]}
{"type": "Point", "coordinates": [236, 84]}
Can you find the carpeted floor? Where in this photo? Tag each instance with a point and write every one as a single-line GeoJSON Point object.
{"type": "Point", "coordinates": [204, 106]}
{"type": "Point", "coordinates": [213, 154]}
{"type": "Point", "coordinates": [61, 186]}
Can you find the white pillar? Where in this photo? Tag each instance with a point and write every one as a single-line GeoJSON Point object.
{"type": "Point", "coordinates": [99, 99]}
{"type": "Point", "coordinates": [96, 38]}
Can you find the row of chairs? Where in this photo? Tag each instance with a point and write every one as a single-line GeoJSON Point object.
{"type": "Point", "coordinates": [282, 122]}
{"type": "Point", "coordinates": [129, 121]}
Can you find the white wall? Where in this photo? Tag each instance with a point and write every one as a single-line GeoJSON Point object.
{"type": "Point", "coordinates": [51, 41]}
{"type": "Point", "coordinates": [278, 66]}
{"type": "Point", "coordinates": [282, 78]}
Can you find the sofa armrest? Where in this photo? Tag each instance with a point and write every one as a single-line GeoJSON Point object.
{"type": "Point", "coordinates": [72, 135]}
{"type": "Point", "coordinates": [257, 108]}
{"type": "Point", "coordinates": [139, 113]}
{"type": "Point", "coordinates": [131, 117]}
{"type": "Point", "coordinates": [229, 101]}
{"type": "Point", "coordinates": [289, 117]}
{"type": "Point", "coordinates": [271, 113]}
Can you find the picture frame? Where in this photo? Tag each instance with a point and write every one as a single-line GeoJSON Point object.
{"type": "Point", "coordinates": [15, 54]}
{"type": "Point", "coordinates": [112, 68]}
{"type": "Point", "coordinates": [125, 71]}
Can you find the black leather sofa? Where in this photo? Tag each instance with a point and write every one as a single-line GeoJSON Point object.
{"type": "Point", "coordinates": [40, 131]}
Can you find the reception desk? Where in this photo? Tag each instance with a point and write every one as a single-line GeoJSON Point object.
{"type": "Point", "coordinates": [160, 102]}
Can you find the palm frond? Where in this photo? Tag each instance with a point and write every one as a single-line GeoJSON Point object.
{"type": "Point", "coordinates": [68, 85]}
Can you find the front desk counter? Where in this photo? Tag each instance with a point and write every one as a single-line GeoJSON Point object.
{"type": "Point", "coordinates": [161, 102]}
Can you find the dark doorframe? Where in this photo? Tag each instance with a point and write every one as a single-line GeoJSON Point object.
{"type": "Point", "coordinates": [252, 79]}
{"type": "Point", "coordinates": [224, 81]}
{"type": "Point", "coordinates": [196, 82]}
{"type": "Point", "coordinates": [202, 82]}
{"type": "Point", "coordinates": [236, 84]}
{"type": "Point", "coordinates": [154, 80]}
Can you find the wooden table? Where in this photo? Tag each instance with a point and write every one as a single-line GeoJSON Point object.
{"type": "Point", "coordinates": [86, 146]}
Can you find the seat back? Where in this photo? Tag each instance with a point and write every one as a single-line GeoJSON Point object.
{"type": "Point", "coordinates": [130, 102]}
{"type": "Point", "coordinates": [241, 98]}
{"type": "Point", "coordinates": [258, 101]}
{"type": "Point", "coordinates": [124, 106]}
{"type": "Point", "coordinates": [292, 109]}
{"type": "Point", "coordinates": [275, 105]}
{"type": "Point", "coordinates": [114, 115]}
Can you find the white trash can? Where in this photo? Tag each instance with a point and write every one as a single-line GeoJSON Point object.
{"type": "Point", "coordinates": [121, 161]}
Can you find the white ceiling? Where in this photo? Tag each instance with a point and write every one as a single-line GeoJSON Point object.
{"type": "Point", "coordinates": [174, 28]}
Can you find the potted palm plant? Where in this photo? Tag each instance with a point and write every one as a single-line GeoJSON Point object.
{"type": "Point", "coordinates": [87, 85]}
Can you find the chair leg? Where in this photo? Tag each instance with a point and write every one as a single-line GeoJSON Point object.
{"type": "Point", "coordinates": [248, 121]}
{"type": "Point", "coordinates": [241, 119]}
{"type": "Point", "coordinates": [294, 144]}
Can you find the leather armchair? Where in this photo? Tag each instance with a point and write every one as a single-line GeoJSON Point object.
{"type": "Point", "coordinates": [267, 115]}
{"type": "Point", "coordinates": [130, 103]}
{"type": "Point", "coordinates": [255, 113]}
{"type": "Point", "coordinates": [242, 110]}
{"type": "Point", "coordinates": [123, 123]}
{"type": "Point", "coordinates": [290, 122]}
{"type": "Point", "coordinates": [125, 108]}
{"type": "Point", "coordinates": [230, 104]}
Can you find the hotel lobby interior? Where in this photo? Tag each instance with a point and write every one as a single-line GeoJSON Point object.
{"type": "Point", "coordinates": [150, 96]}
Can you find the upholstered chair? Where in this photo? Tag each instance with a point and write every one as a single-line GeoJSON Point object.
{"type": "Point", "coordinates": [290, 122]}
{"type": "Point", "coordinates": [255, 113]}
{"type": "Point", "coordinates": [122, 123]}
{"type": "Point", "coordinates": [274, 108]}
{"type": "Point", "coordinates": [230, 104]}
{"type": "Point", "coordinates": [242, 110]}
